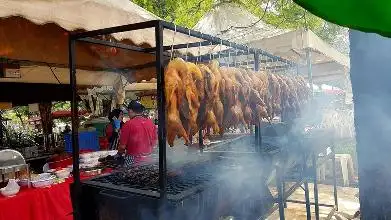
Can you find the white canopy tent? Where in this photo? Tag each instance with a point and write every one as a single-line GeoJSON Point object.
{"type": "Point", "coordinates": [234, 23]}
{"type": "Point", "coordinates": [327, 64]}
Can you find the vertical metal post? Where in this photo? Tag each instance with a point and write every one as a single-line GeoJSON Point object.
{"type": "Point", "coordinates": [306, 188]}
{"type": "Point", "coordinates": [280, 195]}
{"type": "Point", "coordinates": [297, 69]}
{"type": "Point", "coordinates": [200, 141]}
{"type": "Point", "coordinates": [315, 178]}
{"type": "Point", "coordinates": [75, 127]}
{"type": "Point", "coordinates": [161, 112]}
{"type": "Point", "coordinates": [334, 177]}
{"type": "Point", "coordinates": [309, 69]}
{"type": "Point", "coordinates": [1, 130]}
{"type": "Point", "coordinates": [258, 135]}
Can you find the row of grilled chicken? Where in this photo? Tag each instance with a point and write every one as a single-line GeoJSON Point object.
{"type": "Point", "coordinates": [213, 97]}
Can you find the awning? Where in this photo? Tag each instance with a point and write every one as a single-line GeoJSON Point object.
{"type": "Point", "coordinates": [328, 65]}
{"type": "Point", "coordinates": [66, 114]}
{"type": "Point", "coordinates": [37, 31]}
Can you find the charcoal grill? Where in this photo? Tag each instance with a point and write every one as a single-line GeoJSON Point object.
{"type": "Point", "coordinates": [197, 187]}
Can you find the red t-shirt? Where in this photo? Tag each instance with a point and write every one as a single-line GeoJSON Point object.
{"type": "Point", "coordinates": [139, 135]}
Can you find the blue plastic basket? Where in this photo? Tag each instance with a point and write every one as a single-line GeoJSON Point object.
{"type": "Point", "coordinates": [88, 140]}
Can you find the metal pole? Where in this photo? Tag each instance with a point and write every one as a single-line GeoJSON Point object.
{"type": "Point", "coordinates": [306, 188]}
{"type": "Point", "coordinates": [280, 192]}
{"type": "Point", "coordinates": [309, 68]}
{"type": "Point", "coordinates": [334, 177]}
{"type": "Point", "coordinates": [316, 193]}
{"type": "Point", "coordinates": [200, 141]}
{"type": "Point", "coordinates": [1, 130]}
{"type": "Point", "coordinates": [75, 127]}
{"type": "Point", "coordinates": [161, 112]}
{"type": "Point", "coordinates": [258, 135]}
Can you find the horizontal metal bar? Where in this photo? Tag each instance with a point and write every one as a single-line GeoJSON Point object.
{"type": "Point", "coordinates": [114, 44]}
{"type": "Point", "coordinates": [182, 46]}
{"type": "Point", "coordinates": [312, 203]}
{"type": "Point", "coordinates": [116, 29]}
{"type": "Point", "coordinates": [217, 40]}
{"type": "Point", "coordinates": [207, 37]}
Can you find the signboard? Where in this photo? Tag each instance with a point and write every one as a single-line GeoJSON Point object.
{"type": "Point", "coordinates": [33, 108]}
{"type": "Point", "coordinates": [8, 70]}
{"type": "Point", "coordinates": [12, 73]}
{"type": "Point", "coordinates": [148, 101]}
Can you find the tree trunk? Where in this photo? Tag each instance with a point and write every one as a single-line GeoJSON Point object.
{"type": "Point", "coordinates": [45, 110]}
{"type": "Point", "coordinates": [370, 73]}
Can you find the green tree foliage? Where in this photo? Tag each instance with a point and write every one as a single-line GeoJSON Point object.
{"type": "Point", "coordinates": [279, 13]}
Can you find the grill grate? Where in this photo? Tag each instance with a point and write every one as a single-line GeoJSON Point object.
{"type": "Point", "coordinates": [146, 177]}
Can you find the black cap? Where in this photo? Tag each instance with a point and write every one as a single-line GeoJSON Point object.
{"type": "Point", "coordinates": [136, 106]}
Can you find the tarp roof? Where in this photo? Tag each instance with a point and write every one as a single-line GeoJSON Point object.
{"type": "Point", "coordinates": [235, 24]}
{"type": "Point", "coordinates": [37, 31]}
{"type": "Point", "coordinates": [327, 63]}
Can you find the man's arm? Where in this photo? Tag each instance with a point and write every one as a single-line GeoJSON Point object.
{"type": "Point", "coordinates": [123, 140]}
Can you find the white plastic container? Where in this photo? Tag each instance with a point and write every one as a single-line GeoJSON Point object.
{"type": "Point", "coordinates": [11, 189]}
{"type": "Point", "coordinates": [62, 174]}
{"type": "Point", "coordinates": [44, 182]}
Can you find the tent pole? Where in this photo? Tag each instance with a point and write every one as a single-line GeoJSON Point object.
{"type": "Point", "coordinates": [309, 68]}
{"type": "Point", "coordinates": [75, 127]}
{"type": "Point", "coordinates": [161, 112]}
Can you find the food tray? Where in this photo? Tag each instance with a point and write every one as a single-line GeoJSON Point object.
{"type": "Point", "coordinates": [41, 183]}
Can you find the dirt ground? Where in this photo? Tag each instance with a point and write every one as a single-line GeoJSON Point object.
{"type": "Point", "coordinates": [348, 203]}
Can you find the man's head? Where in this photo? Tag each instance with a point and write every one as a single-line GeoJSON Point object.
{"type": "Point", "coordinates": [135, 108]}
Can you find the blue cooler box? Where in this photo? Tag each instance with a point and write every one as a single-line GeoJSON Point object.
{"type": "Point", "coordinates": [88, 140]}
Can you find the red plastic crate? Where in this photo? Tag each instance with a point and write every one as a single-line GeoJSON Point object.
{"type": "Point", "coordinates": [104, 143]}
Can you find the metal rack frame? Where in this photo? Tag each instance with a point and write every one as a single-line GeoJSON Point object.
{"type": "Point", "coordinates": [310, 175]}
{"type": "Point", "coordinates": [159, 63]}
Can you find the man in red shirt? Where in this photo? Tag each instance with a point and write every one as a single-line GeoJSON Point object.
{"type": "Point", "coordinates": [138, 135]}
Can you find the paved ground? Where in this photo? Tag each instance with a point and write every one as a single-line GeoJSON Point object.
{"type": "Point", "coordinates": [348, 203]}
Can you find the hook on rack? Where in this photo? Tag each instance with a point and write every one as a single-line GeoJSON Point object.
{"type": "Point", "coordinates": [248, 53]}
{"type": "Point", "coordinates": [221, 47]}
{"type": "Point", "coordinates": [211, 52]}
{"type": "Point", "coordinates": [173, 41]}
{"type": "Point", "coordinates": [236, 58]}
{"type": "Point", "coordinates": [229, 54]}
{"type": "Point", "coordinates": [187, 45]}
{"type": "Point", "coordinates": [199, 51]}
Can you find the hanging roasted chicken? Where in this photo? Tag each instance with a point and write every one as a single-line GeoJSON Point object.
{"type": "Point", "coordinates": [207, 96]}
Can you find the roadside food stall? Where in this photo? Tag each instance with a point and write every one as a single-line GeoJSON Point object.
{"type": "Point", "coordinates": [139, 51]}
{"type": "Point", "coordinates": [178, 187]}
{"type": "Point", "coordinates": [33, 69]}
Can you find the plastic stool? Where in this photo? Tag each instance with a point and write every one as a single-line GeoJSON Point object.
{"type": "Point", "coordinates": [346, 162]}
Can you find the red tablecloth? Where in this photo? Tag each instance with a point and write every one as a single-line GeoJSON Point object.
{"type": "Point", "coordinates": [53, 203]}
